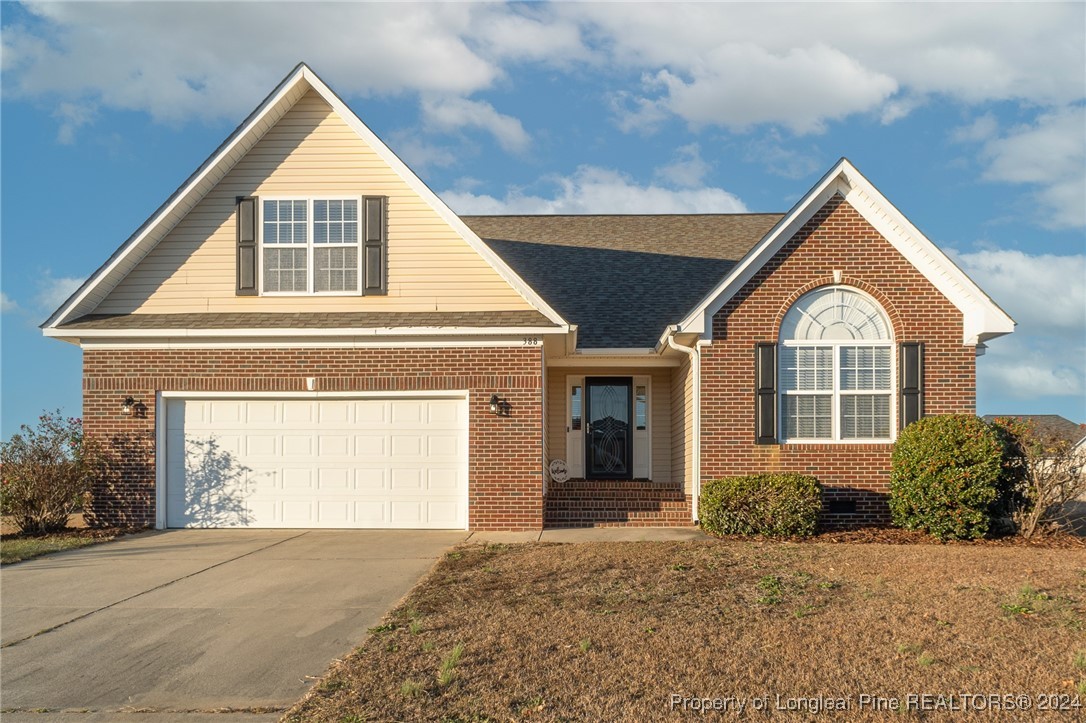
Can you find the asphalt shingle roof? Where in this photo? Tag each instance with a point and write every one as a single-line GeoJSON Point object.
{"type": "Point", "coordinates": [622, 279]}
{"type": "Point", "coordinates": [1047, 425]}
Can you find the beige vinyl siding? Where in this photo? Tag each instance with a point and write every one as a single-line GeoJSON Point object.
{"type": "Point", "coordinates": [309, 152]}
{"type": "Point", "coordinates": [682, 432]}
{"type": "Point", "coordinates": [659, 408]}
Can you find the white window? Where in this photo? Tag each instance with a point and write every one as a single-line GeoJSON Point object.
{"type": "Point", "coordinates": [310, 246]}
{"type": "Point", "coordinates": [836, 369]}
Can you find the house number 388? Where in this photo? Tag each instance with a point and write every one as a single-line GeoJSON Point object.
{"type": "Point", "coordinates": [531, 341]}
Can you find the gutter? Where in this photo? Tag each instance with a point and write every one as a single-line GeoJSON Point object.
{"type": "Point", "coordinates": [694, 352]}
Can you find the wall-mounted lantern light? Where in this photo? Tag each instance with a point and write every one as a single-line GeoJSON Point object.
{"type": "Point", "coordinates": [128, 406]}
{"type": "Point", "coordinates": [499, 406]}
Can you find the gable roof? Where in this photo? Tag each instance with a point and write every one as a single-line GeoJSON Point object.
{"type": "Point", "coordinates": [300, 81]}
{"type": "Point", "coordinates": [647, 271]}
{"type": "Point", "coordinates": [983, 319]}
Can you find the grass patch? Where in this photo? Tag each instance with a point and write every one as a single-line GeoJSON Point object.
{"type": "Point", "coordinates": [16, 548]}
{"type": "Point", "coordinates": [604, 631]}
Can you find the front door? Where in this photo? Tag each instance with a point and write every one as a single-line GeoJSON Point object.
{"type": "Point", "coordinates": [608, 433]}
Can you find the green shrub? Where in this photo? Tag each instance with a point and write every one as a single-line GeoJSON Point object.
{"type": "Point", "coordinates": [46, 472]}
{"type": "Point", "coordinates": [764, 504]}
{"type": "Point", "coordinates": [946, 477]}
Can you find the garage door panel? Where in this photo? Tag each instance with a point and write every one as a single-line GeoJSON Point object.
{"type": "Point", "coordinates": [371, 480]}
{"type": "Point", "coordinates": [316, 463]}
{"type": "Point", "coordinates": [370, 445]}
{"type": "Point", "coordinates": [295, 445]}
{"type": "Point", "coordinates": [407, 479]}
{"type": "Point", "coordinates": [335, 412]}
{"type": "Point", "coordinates": [298, 412]}
{"type": "Point", "coordinates": [406, 445]}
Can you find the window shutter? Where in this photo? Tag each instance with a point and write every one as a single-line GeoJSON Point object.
{"type": "Point", "coordinates": [765, 393]}
{"type": "Point", "coordinates": [912, 382]}
{"type": "Point", "coordinates": [375, 247]}
{"type": "Point", "coordinates": [246, 242]}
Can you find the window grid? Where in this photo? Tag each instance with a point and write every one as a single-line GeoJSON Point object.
{"type": "Point", "coordinates": [857, 410]}
{"type": "Point", "coordinates": [327, 231]}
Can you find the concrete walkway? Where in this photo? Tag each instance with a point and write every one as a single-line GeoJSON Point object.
{"type": "Point", "coordinates": [175, 625]}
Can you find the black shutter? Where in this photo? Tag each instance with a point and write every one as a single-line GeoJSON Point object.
{"type": "Point", "coordinates": [912, 382]}
{"type": "Point", "coordinates": [374, 247]}
{"type": "Point", "coordinates": [246, 241]}
{"type": "Point", "coordinates": [765, 393]}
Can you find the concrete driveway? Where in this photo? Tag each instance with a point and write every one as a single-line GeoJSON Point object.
{"type": "Point", "coordinates": [177, 624]}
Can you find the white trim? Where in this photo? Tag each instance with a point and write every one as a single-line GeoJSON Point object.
{"type": "Point", "coordinates": [605, 351]}
{"type": "Point", "coordinates": [393, 331]}
{"type": "Point", "coordinates": [310, 245]}
{"type": "Point", "coordinates": [694, 352]}
{"type": "Point", "coordinates": [162, 398]}
{"type": "Point", "coordinates": [160, 462]}
{"type": "Point", "coordinates": [251, 130]}
{"type": "Point", "coordinates": [307, 344]}
{"type": "Point", "coordinates": [408, 394]}
{"type": "Point", "coordinates": [190, 188]}
{"type": "Point", "coordinates": [424, 192]}
{"type": "Point", "coordinates": [615, 362]}
{"type": "Point", "coordinates": [983, 319]}
{"type": "Point", "coordinates": [644, 380]}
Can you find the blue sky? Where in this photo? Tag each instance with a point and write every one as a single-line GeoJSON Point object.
{"type": "Point", "coordinates": [971, 119]}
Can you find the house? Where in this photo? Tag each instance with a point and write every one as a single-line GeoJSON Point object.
{"type": "Point", "coordinates": [305, 335]}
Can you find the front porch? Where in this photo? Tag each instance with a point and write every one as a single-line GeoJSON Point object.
{"type": "Point", "coordinates": [615, 503]}
{"type": "Point", "coordinates": [622, 430]}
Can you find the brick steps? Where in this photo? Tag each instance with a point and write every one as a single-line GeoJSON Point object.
{"type": "Point", "coordinates": [622, 503]}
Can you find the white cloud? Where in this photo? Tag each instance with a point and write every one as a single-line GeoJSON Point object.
{"type": "Point", "coordinates": [420, 155]}
{"type": "Point", "coordinates": [687, 170]}
{"type": "Point", "coordinates": [7, 304]}
{"type": "Point", "coordinates": [140, 56]}
{"type": "Point", "coordinates": [742, 64]}
{"type": "Point", "coordinates": [72, 117]}
{"type": "Point", "coordinates": [740, 85]}
{"type": "Point", "coordinates": [772, 154]}
{"type": "Point", "coordinates": [1027, 368]}
{"type": "Point", "coordinates": [1046, 295]}
{"type": "Point", "coordinates": [450, 114]}
{"type": "Point", "coordinates": [1051, 154]}
{"type": "Point", "coordinates": [52, 291]}
{"type": "Point", "coordinates": [598, 190]}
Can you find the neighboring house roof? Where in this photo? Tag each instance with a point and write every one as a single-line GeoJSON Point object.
{"type": "Point", "coordinates": [1048, 425]}
{"type": "Point", "coordinates": [646, 271]}
{"type": "Point", "coordinates": [300, 80]}
{"type": "Point", "coordinates": [982, 317]}
{"type": "Point", "coordinates": [307, 320]}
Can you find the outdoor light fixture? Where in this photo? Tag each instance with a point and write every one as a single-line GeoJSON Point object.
{"type": "Point", "coordinates": [499, 406]}
{"type": "Point", "coordinates": [128, 406]}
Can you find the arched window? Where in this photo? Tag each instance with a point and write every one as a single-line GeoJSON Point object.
{"type": "Point", "coordinates": [836, 368]}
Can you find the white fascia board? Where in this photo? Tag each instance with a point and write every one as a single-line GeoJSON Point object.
{"type": "Point", "coordinates": [982, 317]}
{"type": "Point", "coordinates": [174, 209]}
{"type": "Point", "coordinates": [404, 331]}
{"type": "Point", "coordinates": [227, 156]}
{"type": "Point", "coordinates": [700, 319]}
{"type": "Point", "coordinates": [650, 359]}
{"type": "Point", "coordinates": [416, 184]}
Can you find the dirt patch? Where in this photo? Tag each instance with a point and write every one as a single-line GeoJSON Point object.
{"type": "Point", "coordinates": [611, 631]}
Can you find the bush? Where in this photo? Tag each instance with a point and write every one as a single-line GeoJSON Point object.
{"type": "Point", "coordinates": [764, 504]}
{"type": "Point", "coordinates": [46, 473]}
{"type": "Point", "coordinates": [946, 476]}
{"type": "Point", "coordinates": [1044, 475]}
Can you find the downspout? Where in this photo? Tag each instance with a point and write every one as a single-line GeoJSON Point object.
{"type": "Point", "coordinates": [695, 369]}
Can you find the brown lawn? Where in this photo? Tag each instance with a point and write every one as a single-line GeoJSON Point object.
{"type": "Point", "coordinates": [611, 631]}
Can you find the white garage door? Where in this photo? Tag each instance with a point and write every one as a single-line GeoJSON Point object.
{"type": "Point", "coordinates": [316, 463]}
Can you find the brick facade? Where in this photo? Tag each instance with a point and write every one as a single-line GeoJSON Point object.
{"type": "Point", "coordinates": [836, 238]}
{"type": "Point", "coordinates": [505, 466]}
